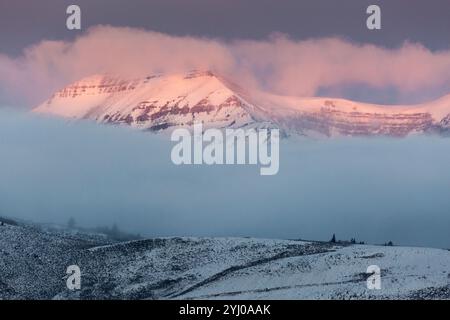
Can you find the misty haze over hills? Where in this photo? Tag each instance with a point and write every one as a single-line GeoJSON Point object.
{"type": "Point", "coordinates": [373, 189]}
{"type": "Point", "coordinates": [388, 188]}
{"type": "Point", "coordinates": [91, 179]}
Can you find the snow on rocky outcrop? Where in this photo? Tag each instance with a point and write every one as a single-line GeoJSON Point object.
{"type": "Point", "coordinates": [154, 103]}
{"type": "Point", "coordinates": [160, 102]}
{"type": "Point", "coordinates": [33, 266]}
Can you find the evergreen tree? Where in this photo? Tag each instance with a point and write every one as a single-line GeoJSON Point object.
{"type": "Point", "coordinates": [333, 240]}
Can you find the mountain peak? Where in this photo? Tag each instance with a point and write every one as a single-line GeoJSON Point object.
{"type": "Point", "coordinates": [199, 73]}
{"type": "Point", "coordinates": [161, 101]}
{"type": "Point", "coordinates": [154, 102]}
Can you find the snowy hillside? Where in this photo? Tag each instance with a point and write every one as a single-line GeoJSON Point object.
{"type": "Point", "coordinates": [34, 262]}
{"type": "Point", "coordinates": [159, 102]}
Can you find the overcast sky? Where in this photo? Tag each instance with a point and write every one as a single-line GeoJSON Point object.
{"type": "Point", "coordinates": [23, 22]}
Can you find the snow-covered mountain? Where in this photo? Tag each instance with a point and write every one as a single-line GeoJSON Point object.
{"type": "Point", "coordinates": [159, 102]}
{"type": "Point", "coordinates": [154, 103]}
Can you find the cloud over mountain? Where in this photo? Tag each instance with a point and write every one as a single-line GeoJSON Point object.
{"type": "Point", "coordinates": [277, 64]}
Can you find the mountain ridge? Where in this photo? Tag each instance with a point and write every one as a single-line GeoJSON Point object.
{"type": "Point", "coordinates": [162, 101]}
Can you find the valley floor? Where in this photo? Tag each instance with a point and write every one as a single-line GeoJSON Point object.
{"type": "Point", "coordinates": [33, 266]}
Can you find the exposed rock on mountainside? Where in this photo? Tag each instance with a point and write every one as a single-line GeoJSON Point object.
{"type": "Point", "coordinates": [160, 102]}
{"type": "Point", "coordinates": [153, 103]}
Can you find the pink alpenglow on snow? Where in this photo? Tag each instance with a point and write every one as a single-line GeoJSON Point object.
{"type": "Point", "coordinates": [168, 101]}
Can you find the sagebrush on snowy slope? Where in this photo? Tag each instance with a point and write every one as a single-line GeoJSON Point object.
{"type": "Point", "coordinates": [33, 265]}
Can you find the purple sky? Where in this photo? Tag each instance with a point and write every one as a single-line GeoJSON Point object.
{"type": "Point", "coordinates": [23, 22]}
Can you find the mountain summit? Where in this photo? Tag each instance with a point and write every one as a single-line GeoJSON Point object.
{"type": "Point", "coordinates": [159, 102]}
{"type": "Point", "coordinates": [156, 102]}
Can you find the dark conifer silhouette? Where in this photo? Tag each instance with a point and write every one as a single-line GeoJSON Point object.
{"type": "Point", "coordinates": [333, 240]}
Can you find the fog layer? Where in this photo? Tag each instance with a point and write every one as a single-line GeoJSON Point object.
{"type": "Point", "coordinates": [374, 190]}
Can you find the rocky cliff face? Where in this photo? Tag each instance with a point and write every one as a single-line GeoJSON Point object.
{"type": "Point", "coordinates": [331, 122]}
